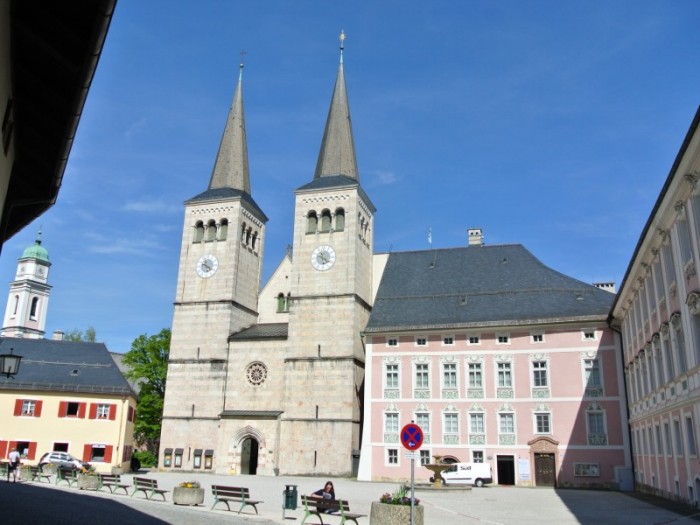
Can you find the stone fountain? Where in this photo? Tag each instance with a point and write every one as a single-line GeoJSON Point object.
{"type": "Point", "coordinates": [438, 468]}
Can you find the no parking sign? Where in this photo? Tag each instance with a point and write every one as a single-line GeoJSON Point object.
{"type": "Point", "coordinates": [411, 436]}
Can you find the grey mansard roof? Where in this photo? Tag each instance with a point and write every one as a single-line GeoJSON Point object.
{"type": "Point", "coordinates": [479, 286]}
{"type": "Point", "coordinates": [64, 366]}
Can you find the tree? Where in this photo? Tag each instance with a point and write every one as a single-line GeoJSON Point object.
{"type": "Point", "coordinates": [148, 366]}
{"type": "Point", "coordinates": [90, 335]}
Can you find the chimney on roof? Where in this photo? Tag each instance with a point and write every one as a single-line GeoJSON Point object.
{"type": "Point", "coordinates": [58, 335]}
{"type": "Point", "coordinates": [475, 237]}
{"type": "Point", "coordinates": [608, 287]}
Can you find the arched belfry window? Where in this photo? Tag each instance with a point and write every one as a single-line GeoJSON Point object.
{"type": "Point", "coordinates": [223, 230]}
{"type": "Point", "coordinates": [326, 220]}
{"type": "Point", "coordinates": [211, 231]}
{"type": "Point", "coordinates": [254, 241]}
{"type": "Point", "coordinates": [248, 234]}
{"type": "Point", "coordinates": [199, 231]}
{"type": "Point", "coordinates": [34, 308]}
{"type": "Point", "coordinates": [339, 220]}
{"type": "Point", "coordinates": [311, 222]}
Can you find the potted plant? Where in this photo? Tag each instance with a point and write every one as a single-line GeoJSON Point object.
{"type": "Point", "coordinates": [395, 509]}
{"type": "Point", "coordinates": [88, 479]}
{"type": "Point", "coordinates": [188, 493]}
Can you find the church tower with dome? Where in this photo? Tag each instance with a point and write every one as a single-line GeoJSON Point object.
{"type": "Point", "coordinates": [28, 299]}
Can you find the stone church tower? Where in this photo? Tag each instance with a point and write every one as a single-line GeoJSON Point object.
{"type": "Point", "coordinates": [28, 299]}
{"type": "Point", "coordinates": [252, 390]}
{"type": "Point", "coordinates": [217, 288]}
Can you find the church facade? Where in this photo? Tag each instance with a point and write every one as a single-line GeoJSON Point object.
{"type": "Point", "coordinates": [257, 390]}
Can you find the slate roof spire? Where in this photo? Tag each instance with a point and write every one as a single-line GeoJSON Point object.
{"type": "Point", "coordinates": [337, 155]}
{"type": "Point", "coordinates": [231, 166]}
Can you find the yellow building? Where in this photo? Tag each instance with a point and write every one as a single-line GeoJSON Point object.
{"type": "Point", "coordinates": [67, 396]}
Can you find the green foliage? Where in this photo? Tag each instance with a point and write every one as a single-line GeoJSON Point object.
{"type": "Point", "coordinates": [399, 497]}
{"type": "Point", "coordinates": [148, 366]}
{"type": "Point", "coordinates": [90, 335]}
{"type": "Point", "coordinates": [147, 458]}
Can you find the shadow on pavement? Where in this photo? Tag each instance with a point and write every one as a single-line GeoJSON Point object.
{"type": "Point", "coordinates": [25, 504]}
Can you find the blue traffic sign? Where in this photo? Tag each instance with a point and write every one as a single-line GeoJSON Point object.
{"type": "Point", "coordinates": [411, 436]}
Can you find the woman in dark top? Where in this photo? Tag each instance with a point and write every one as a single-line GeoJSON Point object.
{"type": "Point", "coordinates": [328, 495]}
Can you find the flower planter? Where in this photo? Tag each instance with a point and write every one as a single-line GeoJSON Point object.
{"type": "Point", "coordinates": [188, 496]}
{"type": "Point", "coordinates": [88, 482]}
{"type": "Point", "coordinates": [386, 514]}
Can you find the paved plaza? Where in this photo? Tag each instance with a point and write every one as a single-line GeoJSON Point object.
{"type": "Point", "coordinates": [46, 504]}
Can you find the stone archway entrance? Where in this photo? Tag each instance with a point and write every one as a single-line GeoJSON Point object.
{"type": "Point", "coordinates": [249, 456]}
{"type": "Point", "coordinates": [544, 456]}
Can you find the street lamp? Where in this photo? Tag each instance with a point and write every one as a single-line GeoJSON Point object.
{"type": "Point", "coordinates": [9, 364]}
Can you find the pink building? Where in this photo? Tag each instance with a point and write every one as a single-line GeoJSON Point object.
{"type": "Point", "coordinates": [498, 359]}
{"type": "Point", "coordinates": [658, 314]}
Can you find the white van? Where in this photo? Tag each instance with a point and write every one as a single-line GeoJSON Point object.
{"type": "Point", "coordinates": [477, 474]}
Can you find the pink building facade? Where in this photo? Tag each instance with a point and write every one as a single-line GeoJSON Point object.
{"type": "Point", "coordinates": [538, 395]}
{"type": "Point", "coordinates": [657, 312]}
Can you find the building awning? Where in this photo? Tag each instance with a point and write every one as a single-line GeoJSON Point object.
{"type": "Point", "coordinates": [168, 451]}
{"type": "Point", "coordinates": [179, 451]}
{"type": "Point", "coordinates": [209, 452]}
{"type": "Point", "coordinates": [198, 452]}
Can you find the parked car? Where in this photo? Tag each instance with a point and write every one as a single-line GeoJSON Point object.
{"type": "Point", "coordinates": [477, 474]}
{"type": "Point", "coordinates": [63, 460]}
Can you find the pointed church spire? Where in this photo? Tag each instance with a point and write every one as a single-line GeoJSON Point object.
{"type": "Point", "coordinates": [231, 166]}
{"type": "Point", "coordinates": [337, 155]}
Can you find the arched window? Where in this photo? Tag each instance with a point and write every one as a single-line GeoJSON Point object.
{"type": "Point", "coordinates": [34, 308]}
{"type": "Point", "coordinates": [248, 233]}
{"type": "Point", "coordinates": [211, 231]}
{"type": "Point", "coordinates": [198, 231]}
{"type": "Point", "coordinates": [339, 220]}
{"type": "Point", "coordinates": [281, 303]}
{"type": "Point", "coordinates": [311, 222]}
{"type": "Point", "coordinates": [223, 229]}
{"type": "Point", "coordinates": [255, 240]}
{"type": "Point", "coordinates": [326, 221]}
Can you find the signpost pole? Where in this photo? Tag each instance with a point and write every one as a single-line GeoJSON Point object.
{"type": "Point", "coordinates": [413, 509]}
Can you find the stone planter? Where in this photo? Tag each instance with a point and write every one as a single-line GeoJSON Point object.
{"type": "Point", "coordinates": [385, 514]}
{"type": "Point", "coordinates": [86, 482]}
{"type": "Point", "coordinates": [188, 496]}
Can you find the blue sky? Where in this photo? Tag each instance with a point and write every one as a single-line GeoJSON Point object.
{"type": "Point", "coordinates": [550, 124]}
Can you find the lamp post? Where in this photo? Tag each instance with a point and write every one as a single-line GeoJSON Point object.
{"type": "Point", "coordinates": [9, 364]}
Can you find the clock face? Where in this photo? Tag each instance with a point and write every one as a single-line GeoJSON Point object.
{"type": "Point", "coordinates": [323, 258]}
{"type": "Point", "coordinates": [207, 266]}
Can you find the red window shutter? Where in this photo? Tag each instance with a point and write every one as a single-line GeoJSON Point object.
{"type": "Point", "coordinates": [93, 412]}
{"type": "Point", "coordinates": [87, 452]}
{"type": "Point", "coordinates": [18, 407]}
{"type": "Point", "coordinates": [62, 408]}
{"type": "Point", "coordinates": [3, 449]}
{"type": "Point", "coordinates": [37, 409]}
{"type": "Point", "coordinates": [108, 453]}
{"type": "Point", "coordinates": [13, 444]}
{"type": "Point", "coordinates": [112, 412]}
{"type": "Point", "coordinates": [81, 410]}
{"type": "Point", "coordinates": [32, 450]}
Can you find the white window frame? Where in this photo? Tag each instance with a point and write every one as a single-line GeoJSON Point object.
{"type": "Point", "coordinates": [421, 340]}
{"type": "Point", "coordinates": [102, 411]}
{"type": "Point", "coordinates": [479, 372]}
{"type": "Point", "coordinates": [392, 453]}
{"type": "Point", "coordinates": [586, 331]}
{"type": "Point", "coordinates": [480, 419]}
{"type": "Point", "coordinates": [392, 342]}
{"type": "Point", "coordinates": [477, 456]}
{"type": "Point", "coordinates": [691, 436]}
{"type": "Point", "coordinates": [470, 339]}
{"type": "Point", "coordinates": [503, 338]}
{"type": "Point", "coordinates": [535, 370]}
{"type": "Point", "coordinates": [425, 374]}
{"type": "Point", "coordinates": [452, 373]}
{"type": "Point", "coordinates": [537, 338]}
{"type": "Point", "coordinates": [509, 372]}
{"type": "Point", "coordinates": [453, 418]}
{"type": "Point", "coordinates": [535, 419]}
{"type": "Point", "coordinates": [28, 407]}
{"type": "Point", "coordinates": [418, 416]}
{"type": "Point", "coordinates": [387, 374]}
{"type": "Point", "coordinates": [503, 417]}
{"type": "Point", "coordinates": [391, 422]}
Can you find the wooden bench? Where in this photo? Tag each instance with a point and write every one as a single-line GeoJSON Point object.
{"type": "Point", "coordinates": [149, 487]}
{"type": "Point", "coordinates": [36, 474]}
{"type": "Point", "coordinates": [113, 482]}
{"type": "Point", "coordinates": [224, 494]}
{"type": "Point", "coordinates": [319, 507]}
{"type": "Point", "coordinates": [69, 476]}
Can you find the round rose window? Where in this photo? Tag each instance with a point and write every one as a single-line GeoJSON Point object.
{"type": "Point", "coordinates": [256, 373]}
